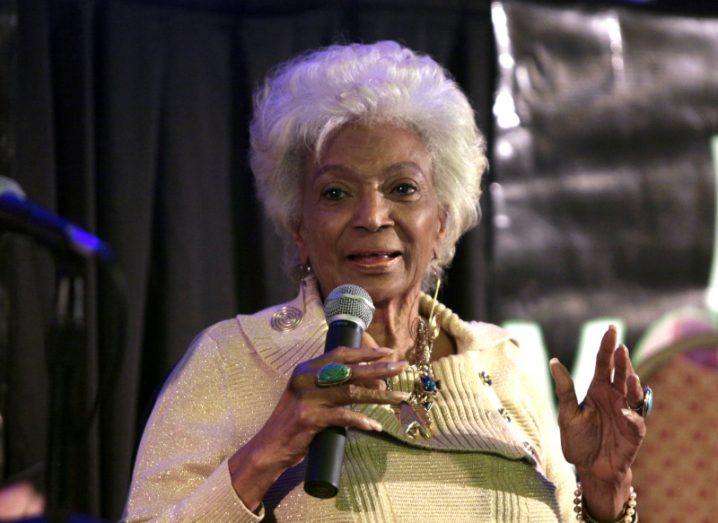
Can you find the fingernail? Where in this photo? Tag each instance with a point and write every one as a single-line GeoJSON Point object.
{"type": "Point", "coordinates": [375, 425]}
{"type": "Point", "coordinates": [395, 365]}
{"type": "Point", "coordinates": [400, 395]}
{"type": "Point", "coordinates": [612, 327]}
{"type": "Point", "coordinates": [383, 350]}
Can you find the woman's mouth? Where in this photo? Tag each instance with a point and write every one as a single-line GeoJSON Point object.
{"type": "Point", "coordinates": [381, 260]}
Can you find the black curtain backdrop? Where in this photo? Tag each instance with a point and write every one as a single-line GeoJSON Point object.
{"type": "Point", "coordinates": [131, 120]}
{"type": "Point", "coordinates": [607, 183]}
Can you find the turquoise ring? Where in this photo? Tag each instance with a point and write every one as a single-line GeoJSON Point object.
{"type": "Point", "coordinates": [333, 374]}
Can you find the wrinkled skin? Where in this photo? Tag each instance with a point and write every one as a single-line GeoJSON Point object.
{"type": "Point", "coordinates": [601, 436]}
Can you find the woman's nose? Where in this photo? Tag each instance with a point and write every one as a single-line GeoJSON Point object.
{"type": "Point", "coordinates": [373, 212]}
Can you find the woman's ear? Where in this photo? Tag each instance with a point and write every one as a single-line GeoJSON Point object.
{"type": "Point", "coordinates": [443, 217]}
{"type": "Point", "coordinates": [300, 243]}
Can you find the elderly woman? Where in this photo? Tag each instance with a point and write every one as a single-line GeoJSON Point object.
{"type": "Point", "coordinates": [369, 159]}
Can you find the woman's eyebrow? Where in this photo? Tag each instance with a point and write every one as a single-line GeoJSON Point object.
{"type": "Point", "coordinates": [332, 167]}
{"type": "Point", "coordinates": [347, 170]}
{"type": "Point", "coordinates": [403, 165]}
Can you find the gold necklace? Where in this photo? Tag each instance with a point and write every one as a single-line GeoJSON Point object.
{"type": "Point", "coordinates": [413, 413]}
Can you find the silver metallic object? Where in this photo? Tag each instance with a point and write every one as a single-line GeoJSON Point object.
{"type": "Point", "coordinates": [286, 319]}
{"type": "Point", "coordinates": [349, 302]}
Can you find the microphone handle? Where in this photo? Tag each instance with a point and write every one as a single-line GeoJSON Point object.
{"type": "Point", "coordinates": [326, 451]}
{"type": "Point", "coordinates": [20, 216]}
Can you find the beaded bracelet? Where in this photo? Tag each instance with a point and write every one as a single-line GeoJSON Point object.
{"type": "Point", "coordinates": [629, 512]}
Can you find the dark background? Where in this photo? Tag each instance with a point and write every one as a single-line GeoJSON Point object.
{"type": "Point", "coordinates": [605, 198]}
{"type": "Point", "coordinates": [130, 118]}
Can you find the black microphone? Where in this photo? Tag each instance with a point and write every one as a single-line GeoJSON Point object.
{"type": "Point", "coordinates": [349, 311]}
{"type": "Point", "coordinates": [20, 216]}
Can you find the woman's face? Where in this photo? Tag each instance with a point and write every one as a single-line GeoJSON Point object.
{"type": "Point", "coordinates": [370, 215]}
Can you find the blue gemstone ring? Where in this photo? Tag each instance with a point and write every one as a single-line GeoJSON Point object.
{"type": "Point", "coordinates": [646, 406]}
{"type": "Point", "coordinates": [333, 374]}
{"type": "Point", "coordinates": [647, 403]}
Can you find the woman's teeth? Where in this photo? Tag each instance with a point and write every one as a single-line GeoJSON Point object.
{"type": "Point", "coordinates": [374, 255]}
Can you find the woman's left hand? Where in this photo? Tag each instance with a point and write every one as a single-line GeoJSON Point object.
{"type": "Point", "coordinates": [601, 436]}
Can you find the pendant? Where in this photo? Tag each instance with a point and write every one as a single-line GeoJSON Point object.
{"type": "Point", "coordinates": [414, 420]}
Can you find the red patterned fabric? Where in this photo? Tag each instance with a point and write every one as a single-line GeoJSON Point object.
{"type": "Point", "coordinates": [676, 473]}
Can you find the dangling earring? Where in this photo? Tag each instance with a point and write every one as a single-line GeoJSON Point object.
{"type": "Point", "coordinates": [433, 323]}
{"type": "Point", "coordinates": [302, 271]}
{"type": "Point", "coordinates": [305, 270]}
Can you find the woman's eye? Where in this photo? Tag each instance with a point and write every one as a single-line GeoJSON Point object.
{"type": "Point", "coordinates": [333, 193]}
{"type": "Point", "coordinates": [405, 189]}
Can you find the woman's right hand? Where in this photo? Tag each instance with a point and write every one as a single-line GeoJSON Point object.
{"type": "Point", "coordinates": [304, 409]}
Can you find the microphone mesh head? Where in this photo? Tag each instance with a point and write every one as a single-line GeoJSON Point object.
{"type": "Point", "coordinates": [349, 302]}
{"type": "Point", "coordinates": [10, 186]}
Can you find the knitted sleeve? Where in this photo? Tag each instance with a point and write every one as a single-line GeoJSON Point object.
{"type": "Point", "coordinates": [181, 471]}
{"type": "Point", "coordinates": [558, 470]}
{"type": "Point", "coordinates": [531, 404]}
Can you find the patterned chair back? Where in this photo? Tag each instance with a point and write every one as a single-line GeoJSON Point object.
{"type": "Point", "coordinates": [676, 472]}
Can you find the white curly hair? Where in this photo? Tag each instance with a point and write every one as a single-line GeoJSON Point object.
{"type": "Point", "coordinates": [310, 97]}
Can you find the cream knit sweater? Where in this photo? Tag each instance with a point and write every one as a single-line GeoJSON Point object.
{"type": "Point", "coordinates": [494, 456]}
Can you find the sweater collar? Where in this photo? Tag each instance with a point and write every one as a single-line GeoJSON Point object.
{"type": "Point", "coordinates": [288, 334]}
